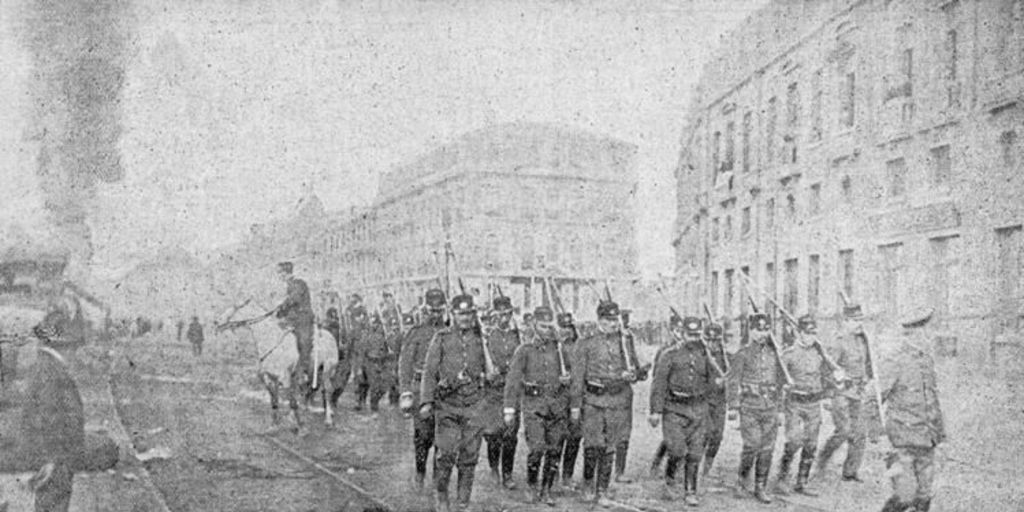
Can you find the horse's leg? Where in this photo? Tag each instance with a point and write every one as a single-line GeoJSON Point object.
{"type": "Point", "coordinates": [294, 399]}
{"type": "Point", "coordinates": [326, 389]}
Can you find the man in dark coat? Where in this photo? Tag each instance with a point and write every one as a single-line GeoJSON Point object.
{"type": "Point", "coordinates": [296, 311]}
{"type": "Point", "coordinates": [195, 336]}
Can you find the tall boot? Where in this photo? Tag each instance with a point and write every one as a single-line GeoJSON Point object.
{"type": "Point", "coordinates": [533, 461]}
{"type": "Point", "coordinates": [362, 392]}
{"type": "Point", "coordinates": [709, 460]}
{"type": "Point", "coordinates": [494, 456]}
{"type": "Point", "coordinates": [691, 469]}
{"type": "Point", "coordinates": [604, 472]}
{"type": "Point", "coordinates": [443, 466]}
{"type": "Point", "coordinates": [590, 462]}
{"type": "Point", "coordinates": [659, 455]}
{"type": "Point", "coordinates": [621, 451]}
{"type": "Point", "coordinates": [465, 489]}
{"type": "Point", "coordinates": [764, 466]}
{"type": "Point", "coordinates": [550, 474]}
{"type": "Point", "coordinates": [922, 504]}
{"type": "Point", "coordinates": [788, 454]}
{"type": "Point", "coordinates": [747, 458]}
{"type": "Point", "coordinates": [671, 482]}
{"type": "Point", "coordinates": [508, 461]}
{"type": "Point", "coordinates": [804, 473]}
{"type": "Point", "coordinates": [572, 449]}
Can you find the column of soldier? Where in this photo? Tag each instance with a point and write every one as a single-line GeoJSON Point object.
{"type": "Point", "coordinates": [466, 377]}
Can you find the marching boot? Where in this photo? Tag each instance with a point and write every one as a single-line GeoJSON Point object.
{"type": "Point", "coordinates": [659, 455]}
{"type": "Point", "coordinates": [572, 449]}
{"type": "Point", "coordinates": [804, 473]}
{"type": "Point", "coordinates": [690, 471]}
{"type": "Point", "coordinates": [893, 504]}
{"type": "Point", "coordinates": [508, 461]}
{"type": "Point", "coordinates": [419, 481]}
{"type": "Point", "coordinates": [671, 485]}
{"type": "Point", "coordinates": [788, 454]}
{"type": "Point", "coordinates": [548, 480]}
{"type": "Point", "coordinates": [441, 503]}
{"type": "Point", "coordinates": [590, 463]}
{"type": "Point", "coordinates": [922, 504]}
{"type": "Point", "coordinates": [442, 479]}
{"type": "Point", "coordinates": [465, 486]}
{"type": "Point", "coordinates": [708, 462]}
{"type": "Point", "coordinates": [621, 451]}
{"type": "Point", "coordinates": [764, 466]}
{"type": "Point", "coordinates": [747, 457]}
{"type": "Point", "coordinates": [604, 475]}
{"type": "Point", "coordinates": [494, 457]}
{"type": "Point", "coordinates": [362, 392]}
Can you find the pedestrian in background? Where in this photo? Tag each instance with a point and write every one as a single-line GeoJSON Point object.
{"type": "Point", "coordinates": [195, 336]}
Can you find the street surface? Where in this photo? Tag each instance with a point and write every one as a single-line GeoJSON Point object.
{"type": "Point", "coordinates": [210, 419]}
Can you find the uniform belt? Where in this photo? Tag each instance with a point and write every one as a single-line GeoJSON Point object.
{"type": "Point", "coordinates": [680, 397]}
{"type": "Point", "coordinates": [539, 390]}
{"type": "Point", "coordinates": [757, 389]}
{"type": "Point", "coordinates": [606, 388]}
{"type": "Point", "coordinates": [806, 397]}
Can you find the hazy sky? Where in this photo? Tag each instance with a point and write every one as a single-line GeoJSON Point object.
{"type": "Point", "coordinates": [230, 107]}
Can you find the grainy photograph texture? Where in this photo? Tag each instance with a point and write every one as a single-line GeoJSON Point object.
{"type": "Point", "coordinates": [511, 255]}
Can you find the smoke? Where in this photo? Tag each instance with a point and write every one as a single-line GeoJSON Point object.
{"type": "Point", "coordinates": [78, 50]}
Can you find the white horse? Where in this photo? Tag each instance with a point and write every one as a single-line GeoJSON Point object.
{"type": "Point", "coordinates": [275, 351]}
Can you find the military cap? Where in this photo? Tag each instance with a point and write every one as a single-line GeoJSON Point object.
{"type": "Point", "coordinates": [760, 322]}
{"type": "Point", "coordinates": [917, 318]}
{"type": "Point", "coordinates": [543, 314]}
{"type": "Point", "coordinates": [463, 304]}
{"type": "Point", "coordinates": [527, 317]}
{"type": "Point", "coordinates": [502, 304]}
{"type": "Point", "coordinates": [286, 266]}
{"type": "Point", "coordinates": [434, 298]}
{"type": "Point", "coordinates": [675, 321]}
{"type": "Point", "coordinates": [713, 331]}
{"type": "Point", "coordinates": [807, 322]}
{"type": "Point", "coordinates": [386, 294]}
{"type": "Point", "coordinates": [565, 320]}
{"type": "Point", "coordinates": [853, 311]}
{"type": "Point", "coordinates": [607, 309]}
{"type": "Point", "coordinates": [691, 325]}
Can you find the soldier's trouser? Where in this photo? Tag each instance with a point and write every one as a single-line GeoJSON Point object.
{"type": "Point", "coordinates": [847, 414]}
{"type": "Point", "coordinates": [684, 440]}
{"type": "Point", "coordinates": [362, 382]}
{"type": "Point", "coordinates": [457, 440]}
{"type": "Point", "coordinates": [422, 440]}
{"type": "Point", "coordinates": [605, 427]}
{"type": "Point", "coordinates": [501, 448]}
{"type": "Point", "coordinates": [55, 495]}
{"type": "Point", "coordinates": [379, 380]}
{"type": "Point", "coordinates": [622, 447]}
{"type": "Point", "coordinates": [758, 428]}
{"type": "Point", "coordinates": [919, 468]}
{"type": "Point", "coordinates": [714, 429]}
{"type": "Point", "coordinates": [544, 436]}
{"type": "Point", "coordinates": [571, 449]}
{"type": "Point", "coordinates": [803, 423]}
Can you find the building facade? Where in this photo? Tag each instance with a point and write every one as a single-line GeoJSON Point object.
{"type": "Point", "coordinates": [508, 206]}
{"type": "Point", "coordinates": [870, 148]}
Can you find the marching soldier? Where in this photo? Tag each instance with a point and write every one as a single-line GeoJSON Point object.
{"type": "Point", "coordinates": [574, 437]}
{"type": "Point", "coordinates": [452, 390]}
{"type": "Point", "coordinates": [297, 313]}
{"type": "Point", "coordinates": [359, 329]}
{"type": "Point", "coordinates": [622, 448]}
{"type": "Point", "coordinates": [332, 324]}
{"type": "Point", "coordinates": [682, 382]}
{"type": "Point", "coordinates": [848, 405]}
{"type": "Point", "coordinates": [602, 396]}
{"type": "Point", "coordinates": [395, 334]}
{"type": "Point", "coordinates": [410, 373]}
{"type": "Point", "coordinates": [718, 404]}
{"type": "Point", "coordinates": [538, 379]}
{"type": "Point", "coordinates": [914, 422]}
{"type": "Point", "coordinates": [502, 436]}
{"type": "Point", "coordinates": [761, 380]}
{"type": "Point", "coordinates": [675, 323]}
{"type": "Point", "coordinates": [378, 347]}
{"type": "Point", "coordinates": [802, 407]}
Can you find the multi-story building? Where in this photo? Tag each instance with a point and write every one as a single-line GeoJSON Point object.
{"type": "Point", "coordinates": [869, 147]}
{"type": "Point", "coordinates": [510, 206]}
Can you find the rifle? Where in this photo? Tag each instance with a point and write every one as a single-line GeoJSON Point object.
{"type": "Point", "coordinates": [703, 342]}
{"type": "Point", "coordinates": [515, 323]}
{"type": "Point", "coordinates": [815, 341]}
{"type": "Point", "coordinates": [627, 353]}
{"type": "Point", "coordinates": [563, 370]}
{"type": "Point", "coordinates": [871, 364]}
{"type": "Point", "coordinates": [489, 368]}
{"type": "Point", "coordinates": [771, 340]}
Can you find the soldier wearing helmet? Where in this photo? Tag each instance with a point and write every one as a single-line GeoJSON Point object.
{"type": "Point", "coordinates": [452, 389]}
{"type": "Point", "coordinates": [682, 381]}
{"type": "Point", "coordinates": [502, 436]}
{"type": "Point", "coordinates": [410, 371]}
{"type": "Point", "coordinates": [761, 380]}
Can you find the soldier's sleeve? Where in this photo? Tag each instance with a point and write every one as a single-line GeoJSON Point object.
{"type": "Point", "coordinates": [405, 363]}
{"type": "Point", "coordinates": [659, 384]}
{"type": "Point", "coordinates": [889, 375]}
{"type": "Point", "coordinates": [431, 371]}
{"type": "Point", "coordinates": [514, 380]}
{"type": "Point", "coordinates": [579, 375]}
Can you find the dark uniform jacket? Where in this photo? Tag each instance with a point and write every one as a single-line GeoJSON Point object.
{"type": "Point", "coordinates": [534, 378]}
{"type": "Point", "coordinates": [913, 415]}
{"type": "Point", "coordinates": [195, 333]}
{"type": "Point", "coordinates": [682, 378]}
{"type": "Point", "coordinates": [851, 355]}
{"type": "Point", "coordinates": [413, 355]}
{"type": "Point", "coordinates": [759, 376]}
{"type": "Point", "coordinates": [599, 364]}
{"type": "Point", "coordinates": [502, 344]}
{"type": "Point", "coordinates": [717, 349]}
{"type": "Point", "coordinates": [453, 372]}
{"type": "Point", "coordinates": [808, 371]}
{"type": "Point", "coordinates": [297, 307]}
{"type": "Point", "coordinates": [375, 346]}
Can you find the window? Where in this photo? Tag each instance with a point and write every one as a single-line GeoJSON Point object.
{"type": "Point", "coordinates": [845, 270]}
{"type": "Point", "coordinates": [816, 107]}
{"type": "Point", "coordinates": [728, 227]}
{"type": "Point", "coordinates": [848, 100]}
{"type": "Point", "coordinates": [897, 174]}
{"type": "Point", "coordinates": [745, 225]}
{"type": "Point", "coordinates": [747, 127]}
{"type": "Point", "coordinates": [1009, 274]}
{"type": "Point", "coordinates": [847, 187]}
{"type": "Point", "coordinates": [526, 252]}
{"type": "Point", "coordinates": [714, 292]}
{"type": "Point", "coordinates": [891, 272]}
{"type": "Point", "coordinates": [727, 302]}
{"type": "Point", "coordinates": [771, 283]}
{"type": "Point", "coordinates": [815, 199]}
{"type": "Point", "coordinates": [714, 229]}
{"type": "Point", "coordinates": [792, 122]}
{"type": "Point", "coordinates": [952, 87]}
{"type": "Point", "coordinates": [1008, 143]}
{"type": "Point", "coordinates": [769, 138]}
{"type": "Point", "coordinates": [813, 283]}
{"type": "Point", "coordinates": [941, 165]}
{"type": "Point", "coordinates": [769, 214]}
{"type": "Point", "coordinates": [730, 145]}
{"type": "Point", "coordinates": [715, 147]}
{"type": "Point", "coordinates": [790, 207]}
{"type": "Point", "coordinates": [790, 295]}
{"type": "Point", "coordinates": [745, 271]}
{"type": "Point", "coordinates": [940, 275]}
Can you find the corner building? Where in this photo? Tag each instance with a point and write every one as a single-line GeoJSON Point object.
{"type": "Point", "coordinates": [871, 147]}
